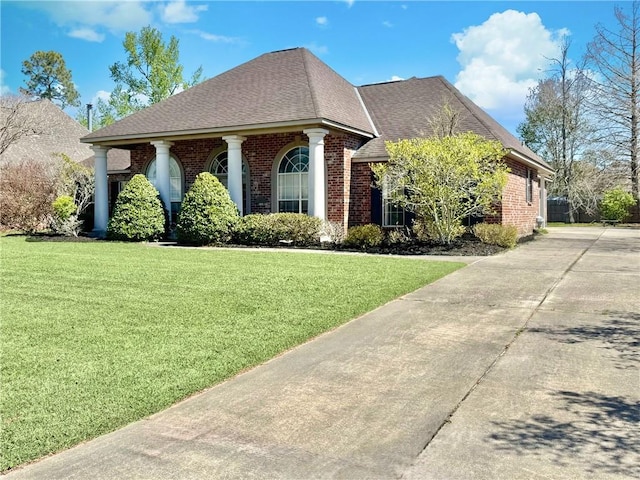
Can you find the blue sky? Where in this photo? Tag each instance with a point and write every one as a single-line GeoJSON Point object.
{"type": "Point", "coordinates": [492, 51]}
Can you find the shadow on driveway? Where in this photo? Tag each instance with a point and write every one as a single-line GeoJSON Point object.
{"type": "Point", "coordinates": [603, 427]}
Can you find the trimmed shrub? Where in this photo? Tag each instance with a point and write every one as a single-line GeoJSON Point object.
{"type": "Point", "coordinates": [496, 234]}
{"type": "Point", "coordinates": [208, 215]}
{"type": "Point", "coordinates": [269, 230]}
{"type": "Point", "coordinates": [616, 204]}
{"type": "Point", "coordinates": [65, 218]}
{"type": "Point", "coordinates": [364, 236]}
{"type": "Point", "coordinates": [138, 214]}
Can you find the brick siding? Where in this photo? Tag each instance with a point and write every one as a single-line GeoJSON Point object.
{"type": "Point", "coordinates": [348, 184]}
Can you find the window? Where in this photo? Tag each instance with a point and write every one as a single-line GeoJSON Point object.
{"type": "Point", "coordinates": [529, 191]}
{"type": "Point", "coordinates": [392, 214]}
{"type": "Point", "coordinates": [175, 183]}
{"type": "Point", "coordinates": [293, 185]}
{"type": "Point", "coordinates": [220, 168]}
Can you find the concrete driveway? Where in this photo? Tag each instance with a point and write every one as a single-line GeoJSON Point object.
{"type": "Point", "coordinates": [522, 365]}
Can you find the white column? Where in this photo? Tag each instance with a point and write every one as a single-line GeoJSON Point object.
{"type": "Point", "coordinates": [543, 200]}
{"type": "Point", "coordinates": [101, 194]}
{"type": "Point", "coordinates": [234, 169]}
{"type": "Point", "coordinates": [317, 193]}
{"type": "Point", "coordinates": [163, 179]}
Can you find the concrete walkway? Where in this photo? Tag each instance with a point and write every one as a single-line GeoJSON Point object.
{"type": "Point", "coordinates": [522, 365]}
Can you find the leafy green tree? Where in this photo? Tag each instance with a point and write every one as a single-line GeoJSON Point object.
{"type": "Point", "coordinates": [102, 112]}
{"type": "Point", "coordinates": [151, 72]}
{"type": "Point", "coordinates": [616, 204]}
{"type": "Point", "coordinates": [443, 180]}
{"type": "Point", "coordinates": [207, 215]}
{"type": "Point", "coordinates": [48, 77]}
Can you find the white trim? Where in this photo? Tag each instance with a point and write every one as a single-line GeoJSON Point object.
{"type": "Point", "coordinates": [530, 163]}
{"type": "Point", "coordinates": [366, 112]}
{"type": "Point", "coordinates": [221, 131]}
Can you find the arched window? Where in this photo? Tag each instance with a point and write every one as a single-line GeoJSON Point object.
{"type": "Point", "coordinates": [293, 186]}
{"type": "Point", "coordinates": [175, 180]}
{"type": "Point", "coordinates": [220, 168]}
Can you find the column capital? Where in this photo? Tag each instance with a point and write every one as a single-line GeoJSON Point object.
{"type": "Point", "coordinates": [234, 140]}
{"type": "Point", "coordinates": [162, 144]}
{"type": "Point", "coordinates": [315, 133]}
{"type": "Point", "coordinates": [97, 149]}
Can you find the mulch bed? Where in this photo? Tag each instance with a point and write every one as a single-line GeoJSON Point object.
{"type": "Point", "coordinates": [467, 245]}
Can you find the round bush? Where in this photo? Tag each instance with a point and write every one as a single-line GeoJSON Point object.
{"type": "Point", "coordinates": [138, 214]}
{"type": "Point", "coordinates": [364, 236]}
{"type": "Point", "coordinates": [208, 215]}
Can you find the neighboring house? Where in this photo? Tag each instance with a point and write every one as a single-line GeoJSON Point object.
{"type": "Point", "coordinates": [285, 133]}
{"type": "Point", "coordinates": [46, 132]}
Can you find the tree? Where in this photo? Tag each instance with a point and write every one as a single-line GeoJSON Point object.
{"type": "Point", "coordinates": [615, 57]}
{"type": "Point", "coordinates": [49, 77]}
{"type": "Point", "coordinates": [557, 125]}
{"type": "Point", "coordinates": [102, 113]}
{"type": "Point", "coordinates": [151, 72]}
{"type": "Point", "coordinates": [443, 180]}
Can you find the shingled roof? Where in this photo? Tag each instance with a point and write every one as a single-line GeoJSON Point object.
{"type": "Point", "coordinates": [287, 86]}
{"type": "Point", "coordinates": [52, 132]}
{"type": "Point", "coordinates": [402, 109]}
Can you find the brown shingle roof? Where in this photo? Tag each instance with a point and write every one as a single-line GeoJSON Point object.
{"type": "Point", "coordinates": [118, 160]}
{"type": "Point", "coordinates": [53, 132]}
{"type": "Point", "coordinates": [278, 87]}
{"type": "Point", "coordinates": [403, 109]}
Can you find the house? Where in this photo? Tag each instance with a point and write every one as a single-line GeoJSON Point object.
{"type": "Point", "coordinates": [286, 133]}
{"type": "Point", "coordinates": [42, 132]}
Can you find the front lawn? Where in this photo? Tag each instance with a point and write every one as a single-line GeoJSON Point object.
{"type": "Point", "coordinates": [96, 335]}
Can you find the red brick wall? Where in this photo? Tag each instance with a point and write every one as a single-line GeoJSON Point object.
{"type": "Point", "coordinates": [360, 195]}
{"type": "Point", "coordinates": [515, 210]}
{"type": "Point", "coordinates": [260, 152]}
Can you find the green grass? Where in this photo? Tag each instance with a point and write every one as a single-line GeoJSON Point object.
{"type": "Point", "coordinates": [96, 335]}
{"type": "Point", "coordinates": [562, 224]}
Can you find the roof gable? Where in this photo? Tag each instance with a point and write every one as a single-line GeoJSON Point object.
{"type": "Point", "coordinates": [278, 87]}
{"type": "Point", "coordinates": [403, 109]}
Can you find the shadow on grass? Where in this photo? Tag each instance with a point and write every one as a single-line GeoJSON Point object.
{"type": "Point", "coordinates": [618, 331]}
{"type": "Point", "coordinates": [602, 429]}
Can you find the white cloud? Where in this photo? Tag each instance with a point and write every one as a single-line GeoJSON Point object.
{"type": "Point", "coordinates": [212, 37]}
{"type": "Point", "coordinates": [350, 2]}
{"type": "Point", "coordinates": [322, 21]}
{"type": "Point", "coordinates": [504, 57]}
{"type": "Point", "coordinates": [404, 7]}
{"type": "Point", "coordinates": [87, 34]}
{"type": "Point", "coordinates": [179, 12]}
{"type": "Point", "coordinates": [115, 16]}
{"type": "Point", "coordinates": [317, 49]}
{"type": "Point", "coordinates": [387, 24]}
{"type": "Point", "coordinates": [4, 89]}
{"type": "Point", "coordinates": [395, 78]}
{"type": "Point", "coordinates": [101, 95]}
